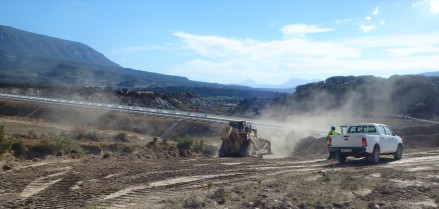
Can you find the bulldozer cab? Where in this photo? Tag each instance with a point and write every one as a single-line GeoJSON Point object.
{"type": "Point", "coordinates": [242, 126]}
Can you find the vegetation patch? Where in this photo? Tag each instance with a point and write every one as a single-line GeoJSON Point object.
{"type": "Point", "coordinates": [221, 196]}
{"type": "Point", "coordinates": [54, 145]}
{"type": "Point", "coordinates": [193, 201]}
{"type": "Point", "coordinates": [185, 142]}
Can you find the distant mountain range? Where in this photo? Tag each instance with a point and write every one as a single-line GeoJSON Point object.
{"type": "Point", "coordinates": [292, 83]}
{"type": "Point", "coordinates": [431, 73]}
{"type": "Point", "coordinates": [32, 59]}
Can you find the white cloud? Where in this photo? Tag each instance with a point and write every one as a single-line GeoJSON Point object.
{"type": "Point", "coordinates": [434, 7]}
{"type": "Point", "coordinates": [228, 60]}
{"type": "Point", "coordinates": [382, 22]}
{"type": "Point", "coordinates": [375, 11]}
{"type": "Point", "coordinates": [371, 25]}
{"type": "Point", "coordinates": [214, 46]}
{"type": "Point", "coordinates": [302, 29]}
{"type": "Point", "coordinates": [367, 28]}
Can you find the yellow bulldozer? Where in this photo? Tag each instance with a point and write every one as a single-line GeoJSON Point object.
{"type": "Point", "coordinates": [240, 140]}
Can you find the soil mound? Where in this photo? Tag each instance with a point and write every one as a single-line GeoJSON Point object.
{"type": "Point", "coordinates": [311, 146]}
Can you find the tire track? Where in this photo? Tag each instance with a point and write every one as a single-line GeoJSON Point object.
{"type": "Point", "coordinates": [120, 183]}
{"type": "Point", "coordinates": [232, 173]}
{"type": "Point", "coordinates": [42, 183]}
{"type": "Point", "coordinates": [134, 195]}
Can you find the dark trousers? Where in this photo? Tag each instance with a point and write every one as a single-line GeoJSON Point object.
{"type": "Point", "coordinates": [331, 154]}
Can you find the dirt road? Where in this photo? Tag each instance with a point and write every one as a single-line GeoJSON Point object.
{"type": "Point", "coordinates": [412, 182]}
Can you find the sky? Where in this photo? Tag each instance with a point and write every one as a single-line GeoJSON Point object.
{"type": "Point", "coordinates": [229, 41]}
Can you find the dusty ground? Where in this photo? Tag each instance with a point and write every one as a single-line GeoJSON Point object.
{"type": "Point", "coordinates": [306, 182]}
{"type": "Point", "coordinates": [223, 183]}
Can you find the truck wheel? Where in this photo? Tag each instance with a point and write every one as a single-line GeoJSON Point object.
{"type": "Point", "coordinates": [398, 154]}
{"type": "Point", "coordinates": [221, 152]}
{"type": "Point", "coordinates": [374, 157]}
{"type": "Point", "coordinates": [341, 157]}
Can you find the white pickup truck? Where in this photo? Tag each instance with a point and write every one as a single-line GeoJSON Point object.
{"type": "Point", "coordinates": [368, 140]}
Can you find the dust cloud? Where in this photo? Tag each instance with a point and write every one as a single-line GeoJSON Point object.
{"type": "Point", "coordinates": [312, 117]}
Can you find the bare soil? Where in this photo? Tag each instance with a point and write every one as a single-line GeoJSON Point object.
{"type": "Point", "coordinates": [305, 180]}
{"type": "Point", "coordinates": [412, 182]}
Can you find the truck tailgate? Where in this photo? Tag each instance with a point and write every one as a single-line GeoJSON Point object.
{"type": "Point", "coordinates": [349, 140]}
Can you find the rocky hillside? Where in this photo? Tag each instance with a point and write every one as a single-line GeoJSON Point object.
{"type": "Point", "coordinates": [411, 95]}
{"type": "Point", "coordinates": [408, 95]}
{"type": "Point", "coordinates": [185, 101]}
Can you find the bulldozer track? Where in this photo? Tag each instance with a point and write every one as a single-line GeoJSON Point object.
{"type": "Point", "coordinates": [72, 184]}
{"type": "Point", "coordinates": [119, 183]}
{"type": "Point", "coordinates": [155, 192]}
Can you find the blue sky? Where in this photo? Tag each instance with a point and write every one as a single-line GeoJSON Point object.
{"type": "Point", "coordinates": [229, 41]}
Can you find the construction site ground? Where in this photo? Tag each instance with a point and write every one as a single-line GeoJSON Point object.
{"type": "Point", "coordinates": [93, 182]}
{"type": "Point", "coordinates": [305, 179]}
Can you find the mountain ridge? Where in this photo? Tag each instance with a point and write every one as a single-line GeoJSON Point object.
{"type": "Point", "coordinates": [16, 43]}
{"type": "Point", "coordinates": [30, 59]}
{"type": "Point", "coordinates": [290, 84]}
{"type": "Point", "coordinates": [436, 73]}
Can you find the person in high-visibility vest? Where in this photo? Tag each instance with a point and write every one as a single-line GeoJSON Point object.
{"type": "Point", "coordinates": [332, 132]}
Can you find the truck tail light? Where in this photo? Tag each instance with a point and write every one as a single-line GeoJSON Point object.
{"type": "Point", "coordinates": [364, 142]}
{"type": "Point", "coordinates": [330, 141]}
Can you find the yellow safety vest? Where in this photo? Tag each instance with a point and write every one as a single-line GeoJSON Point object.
{"type": "Point", "coordinates": [333, 133]}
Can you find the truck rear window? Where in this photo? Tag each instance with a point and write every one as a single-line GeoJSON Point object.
{"type": "Point", "coordinates": [362, 129]}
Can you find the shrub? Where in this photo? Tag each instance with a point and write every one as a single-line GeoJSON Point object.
{"type": "Point", "coordinates": [184, 142]}
{"type": "Point", "coordinates": [164, 142]}
{"type": "Point", "coordinates": [210, 150]}
{"type": "Point", "coordinates": [17, 147]}
{"type": "Point", "coordinates": [65, 145]}
{"type": "Point", "coordinates": [193, 201]}
{"type": "Point", "coordinates": [154, 141]}
{"type": "Point", "coordinates": [4, 146]}
{"type": "Point", "coordinates": [92, 136]}
{"type": "Point", "coordinates": [2, 133]}
{"type": "Point", "coordinates": [128, 149]}
{"type": "Point", "coordinates": [221, 196]}
{"type": "Point", "coordinates": [198, 145]}
{"type": "Point", "coordinates": [122, 137]}
{"type": "Point", "coordinates": [350, 183]}
{"type": "Point", "coordinates": [107, 154]}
